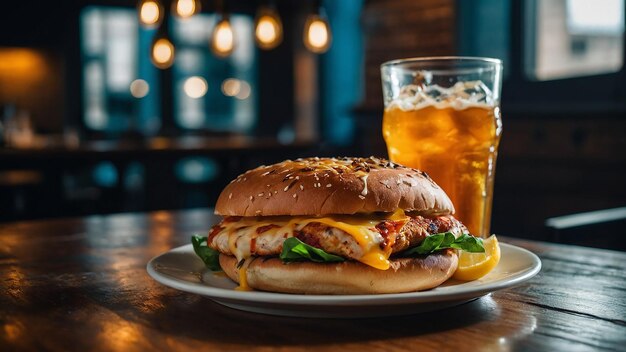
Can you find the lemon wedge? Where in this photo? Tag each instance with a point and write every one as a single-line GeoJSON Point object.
{"type": "Point", "coordinates": [473, 266]}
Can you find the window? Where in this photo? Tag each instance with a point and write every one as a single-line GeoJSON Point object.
{"type": "Point", "coordinates": [558, 55]}
{"type": "Point", "coordinates": [574, 38]}
{"type": "Point", "coordinates": [210, 92]}
{"type": "Point", "coordinates": [122, 89]}
{"type": "Point", "coordinates": [120, 85]}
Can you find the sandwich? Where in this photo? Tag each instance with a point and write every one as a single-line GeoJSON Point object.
{"type": "Point", "coordinates": [335, 226]}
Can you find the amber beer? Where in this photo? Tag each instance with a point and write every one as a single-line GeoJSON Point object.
{"type": "Point", "coordinates": [442, 116]}
{"type": "Point", "coordinates": [456, 147]}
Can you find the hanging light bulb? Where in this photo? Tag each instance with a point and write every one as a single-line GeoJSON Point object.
{"type": "Point", "coordinates": [150, 12]}
{"type": "Point", "coordinates": [162, 52]}
{"type": "Point", "coordinates": [185, 8]}
{"type": "Point", "coordinates": [317, 35]}
{"type": "Point", "coordinates": [223, 38]}
{"type": "Point", "coordinates": [268, 28]}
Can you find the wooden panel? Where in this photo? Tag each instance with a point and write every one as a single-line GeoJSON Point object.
{"type": "Point", "coordinates": [403, 28]}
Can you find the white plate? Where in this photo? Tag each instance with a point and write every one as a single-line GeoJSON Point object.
{"type": "Point", "coordinates": [181, 269]}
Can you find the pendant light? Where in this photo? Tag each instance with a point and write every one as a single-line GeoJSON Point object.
{"type": "Point", "coordinates": [162, 51]}
{"type": "Point", "coordinates": [317, 35]}
{"type": "Point", "coordinates": [268, 27]}
{"type": "Point", "coordinates": [223, 36]}
{"type": "Point", "coordinates": [150, 13]}
{"type": "Point", "coordinates": [185, 8]}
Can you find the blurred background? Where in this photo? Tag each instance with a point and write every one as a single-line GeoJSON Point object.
{"type": "Point", "coordinates": [118, 106]}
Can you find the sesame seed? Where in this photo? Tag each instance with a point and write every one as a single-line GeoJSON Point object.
{"type": "Point", "coordinates": [275, 192]}
{"type": "Point", "coordinates": [286, 188]}
{"type": "Point", "coordinates": [362, 197]}
{"type": "Point", "coordinates": [295, 195]}
{"type": "Point", "coordinates": [297, 177]}
{"type": "Point", "coordinates": [230, 196]}
{"type": "Point", "coordinates": [251, 197]}
{"type": "Point", "coordinates": [260, 194]}
{"type": "Point", "coordinates": [328, 185]}
{"type": "Point", "coordinates": [257, 212]}
{"type": "Point", "coordinates": [301, 187]}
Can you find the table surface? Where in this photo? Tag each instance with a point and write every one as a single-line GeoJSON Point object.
{"type": "Point", "coordinates": [80, 284]}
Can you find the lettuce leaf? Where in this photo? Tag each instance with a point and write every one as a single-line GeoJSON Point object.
{"type": "Point", "coordinates": [445, 240]}
{"type": "Point", "coordinates": [296, 250]}
{"type": "Point", "coordinates": [209, 256]}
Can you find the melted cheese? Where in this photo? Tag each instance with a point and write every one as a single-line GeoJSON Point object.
{"type": "Point", "coordinates": [362, 229]}
{"type": "Point", "coordinates": [364, 232]}
{"type": "Point", "coordinates": [243, 277]}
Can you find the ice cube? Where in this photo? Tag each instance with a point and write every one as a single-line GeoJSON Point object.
{"type": "Point", "coordinates": [478, 92]}
{"type": "Point", "coordinates": [459, 96]}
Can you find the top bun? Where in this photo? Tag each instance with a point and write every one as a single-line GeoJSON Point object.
{"type": "Point", "coordinates": [324, 186]}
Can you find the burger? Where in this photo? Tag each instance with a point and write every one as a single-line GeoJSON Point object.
{"type": "Point", "coordinates": [335, 226]}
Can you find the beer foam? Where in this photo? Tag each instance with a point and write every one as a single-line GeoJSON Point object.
{"type": "Point", "coordinates": [460, 96]}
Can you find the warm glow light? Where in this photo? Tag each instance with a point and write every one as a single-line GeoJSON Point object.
{"type": "Point", "coordinates": [223, 38]}
{"type": "Point", "coordinates": [162, 53]}
{"type": "Point", "coordinates": [195, 87]}
{"type": "Point", "coordinates": [317, 36]}
{"type": "Point", "coordinates": [149, 12]}
{"type": "Point", "coordinates": [22, 74]}
{"type": "Point", "coordinates": [19, 61]}
{"type": "Point", "coordinates": [186, 8]}
{"type": "Point", "coordinates": [244, 91]}
{"type": "Point", "coordinates": [139, 88]}
{"type": "Point", "coordinates": [231, 87]}
{"type": "Point", "coordinates": [269, 29]}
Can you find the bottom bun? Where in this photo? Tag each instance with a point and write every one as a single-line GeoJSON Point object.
{"type": "Point", "coordinates": [404, 275]}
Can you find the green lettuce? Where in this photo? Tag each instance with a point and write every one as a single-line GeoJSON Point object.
{"type": "Point", "coordinates": [209, 256]}
{"type": "Point", "coordinates": [296, 250]}
{"type": "Point", "coordinates": [445, 240]}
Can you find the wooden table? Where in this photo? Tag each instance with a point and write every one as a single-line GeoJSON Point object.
{"type": "Point", "coordinates": [80, 284]}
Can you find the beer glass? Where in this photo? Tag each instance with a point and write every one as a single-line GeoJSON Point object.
{"type": "Point", "coordinates": [442, 116]}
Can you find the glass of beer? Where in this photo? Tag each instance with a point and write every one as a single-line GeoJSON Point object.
{"type": "Point", "coordinates": [442, 116]}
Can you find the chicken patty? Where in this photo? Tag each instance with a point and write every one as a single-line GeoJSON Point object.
{"type": "Point", "coordinates": [395, 236]}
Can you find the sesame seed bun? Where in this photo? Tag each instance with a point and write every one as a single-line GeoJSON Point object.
{"type": "Point", "coordinates": [322, 186]}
